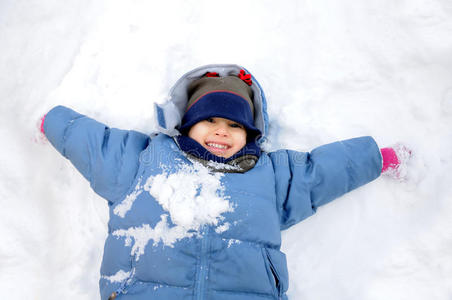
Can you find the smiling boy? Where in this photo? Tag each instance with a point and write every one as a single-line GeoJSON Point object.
{"type": "Point", "coordinates": [218, 114]}
{"type": "Point", "coordinates": [215, 113]}
{"type": "Point", "coordinates": [220, 136]}
{"type": "Point", "coordinates": [218, 122]}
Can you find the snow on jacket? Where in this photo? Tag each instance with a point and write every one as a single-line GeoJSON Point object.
{"type": "Point", "coordinates": [228, 250]}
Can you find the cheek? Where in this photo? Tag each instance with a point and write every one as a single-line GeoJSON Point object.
{"type": "Point", "coordinates": [241, 140]}
{"type": "Point", "coordinates": [196, 134]}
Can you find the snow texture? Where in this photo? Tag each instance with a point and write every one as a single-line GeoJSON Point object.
{"type": "Point", "coordinates": [127, 203]}
{"type": "Point", "coordinates": [192, 196]}
{"type": "Point", "coordinates": [120, 276]}
{"type": "Point", "coordinates": [330, 70]}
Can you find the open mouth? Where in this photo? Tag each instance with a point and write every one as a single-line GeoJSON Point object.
{"type": "Point", "coordinates": [217, 147]}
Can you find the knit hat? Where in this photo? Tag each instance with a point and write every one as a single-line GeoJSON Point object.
{"type": "Point", "coordinates": [228, 97]}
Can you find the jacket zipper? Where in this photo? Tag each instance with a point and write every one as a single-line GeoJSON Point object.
{"type": "Point", "coordinates": [203, 264]}
{"type": "Point", "coordinates": [124, 285]}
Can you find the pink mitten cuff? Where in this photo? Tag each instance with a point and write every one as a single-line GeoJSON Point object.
{"type": "Point", "coordinates": [42, 123]}
{"type": "Point", "coordinates": [390, 160]}
{"type": "Point", "coordinates": [395, 161]}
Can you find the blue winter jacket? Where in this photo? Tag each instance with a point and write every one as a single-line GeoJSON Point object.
{"type": "Point", "coordinates": [242, 261]}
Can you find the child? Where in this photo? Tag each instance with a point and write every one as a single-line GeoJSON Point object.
{"type": "Point", "coordinates": [196, 211]}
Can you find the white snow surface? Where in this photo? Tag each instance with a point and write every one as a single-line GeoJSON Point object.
{"type": "Point", "coordinates": [330, 69]}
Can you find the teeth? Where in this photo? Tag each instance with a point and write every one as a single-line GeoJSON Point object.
{"type": "Point", "coordinates": [217, 145]}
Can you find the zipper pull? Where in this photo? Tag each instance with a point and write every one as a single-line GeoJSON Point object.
{"type": "Point", "coordinates": [122, 288]}
{"type": "Point", "coordinates": [112, 296]}
{"type": "Point", "coordinates": [116, 293]}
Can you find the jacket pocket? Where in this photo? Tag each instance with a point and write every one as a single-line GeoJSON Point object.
{"type": "Point", "coordinates": [277, 270]}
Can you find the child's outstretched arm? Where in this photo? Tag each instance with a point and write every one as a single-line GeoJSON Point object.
{"type": "Point", "coordinates": [107, 157]}
{"type": "Point", "coordinates": [305, 181]}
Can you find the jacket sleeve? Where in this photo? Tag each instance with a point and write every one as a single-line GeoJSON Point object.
{"type": "Point", "coordinates": [107, 157]}
{"type": "Point", "coordinates": [305, 181]}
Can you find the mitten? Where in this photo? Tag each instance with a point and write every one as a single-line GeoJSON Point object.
{"type": "Point", "coordinates": [395, 160]}
{"type": "Point", "coordinates": [42, 124]}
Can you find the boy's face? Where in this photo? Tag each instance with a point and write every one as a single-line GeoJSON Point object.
{"type": "Point", "coordinates": [219, 136]}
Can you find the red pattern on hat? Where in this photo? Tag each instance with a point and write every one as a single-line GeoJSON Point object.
{"type": "Point", "coordinates": [212, 74]}
{"type": "Point", "coordinates": [245, 77]}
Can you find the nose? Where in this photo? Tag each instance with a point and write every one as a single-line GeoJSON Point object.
{"type": "Point", "coordinates": [221, 130]}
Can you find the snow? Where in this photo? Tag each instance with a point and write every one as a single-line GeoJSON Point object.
{"type": "Point", "coordinates": [126, 204]}
{"type": "Point", "coordinates": [330, 70]}
{"type": "Point", "coordinates": [232, 242]}
{"type": "Point", "coordinates": [120, 276]}
{"type": "Point", "coordinates": [140, 236]}
{"type": "Point", "coordinates": [193, 197]}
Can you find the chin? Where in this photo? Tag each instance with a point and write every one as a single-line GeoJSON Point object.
{"type": "Point", "coordinates": [221, 155]}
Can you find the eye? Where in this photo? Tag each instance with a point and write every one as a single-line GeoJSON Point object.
{"type": "Point", "coordinates": [236, 125]}
{"type": "Point", "coordinates": [210, 120]}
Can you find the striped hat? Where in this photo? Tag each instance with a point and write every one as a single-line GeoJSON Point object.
{"type": "Point", "coordinates": [228, 97]}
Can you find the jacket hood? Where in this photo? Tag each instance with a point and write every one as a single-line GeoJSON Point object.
{"type": "Point", "coordinates": [168, 116]}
